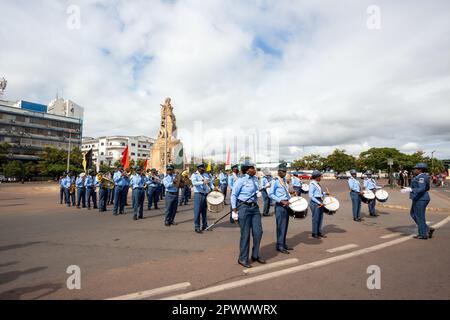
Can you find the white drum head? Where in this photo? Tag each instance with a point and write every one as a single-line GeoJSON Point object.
{"type": "Point", "coordinates": [305, 187]}
{"type": "Point", "coordinates": [215, 198]}
{"type": "Point", "coordinates": [369, 195]}
{"type": "Point", "coordinates": [298, 204]}
{"type": "Point", "coordinates": [331, 203]}
{"type": "Point", "coordinates": [382, 195]}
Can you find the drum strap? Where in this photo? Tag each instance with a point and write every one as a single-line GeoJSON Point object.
{"type": "Point", "coordinates": [285, 187]}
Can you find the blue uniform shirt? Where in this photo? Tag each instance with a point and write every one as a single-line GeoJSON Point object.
{"type": "Point", "coordinates": [223, 179]}
{"type": "Point", "coordinates": [232, 179]}
{"type": "Point", "coordinates": [118, 179]}
{"type": "Point", "coordinates": [137, 181]}
{"type": "Point", "coordinates": [296, 182]}
{"type": "Point", "coordinates": [354, 185]}
{"type": "Point", "coordinates": [199, 186]}
{"type": "Point", "coordinates": [370, 184]}
{"type": "Point", "coordinates": [168, 183]}
{"type": "Point", "coordinates": [66, 182]}
{"type": "Point", "coordinates": [245, 190]}
{"type": "Point", "coordinates": [89, 182]}
{"type": "Point", "coordinates": [153, 181]}
{"type": "Point", "coordinates": [315, 192]}
{"type": "Point", "coordinates": [278, 191]}
{"type": "Point", "coordinates": [265, 180]}
{"type": "Point", "coordinates": [80, 182]}
{"type": "Point", "coordinates": [420, 186]}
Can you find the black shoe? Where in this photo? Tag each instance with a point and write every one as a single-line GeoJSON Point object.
{"type": "Point", "coordinates": [420, 237]}
{"type": "Point", "coordinates": [245, 265]}
{"type": "Point", "coordinates": [78, 207]}
{"type": "Point", "coordinates": [259, 260]}
{"type": "Point", "coordinates": [167, 224]}
{"type": "Point", "coordinates": [283, 251]}
{"type": "Point", "coordinates": [173, 223]}
{"type": "Point", "coordinates": [135, 218]}
{"type": "Point", "coordinates": [315, 236]}
{"type": "Point", "coordinates": [198, 231]}
{"type": "Point", "coordinates": [322, 235]}
{"type": "Point", "coordinates": [149, 208]}
{"type": "Point", "coordinates": [232, 221]}
{"type": "Point", "coordinates": [289, 248]}
{"type": "Point", "coordinates": [430, 233]}
{"type": "Point", "coordinates": [89, 208]}
{"type": "Point", "coordinates": [266, 215]}
{"type": "Point", "coordinates": [115, 214]}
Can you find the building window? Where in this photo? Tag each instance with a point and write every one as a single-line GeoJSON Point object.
{"type": "Point", "coordinates": [102, 153]}
{"type": "Point", "coordinates": [102, 144]}
{"type": "Point", "coordinates": [133, 154]}
{"type": "Point", "coordinates": [139, 154]}
{"type": "Point", "coordinates": [139, 145]}
{"type": "Point", "coordinates": [144, 146]}
{"type": "Point", "coordinates": [122, 144]}
{"type": "Point", "coordinates": [133, 144]}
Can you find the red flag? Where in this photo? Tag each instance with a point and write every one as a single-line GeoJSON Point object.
{"type": "Point", "coordinates": [125, 158]}
{"type": "Point", "coordinates": [145, 165]}
{"type": "Point", "coordinates": [228, 163]}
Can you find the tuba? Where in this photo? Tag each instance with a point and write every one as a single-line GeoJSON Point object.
{"type": "Point", "coordinates": [105, 182]}
{"type": "Point", "coordinates": [178, 181]}
{"type": "Point", "coordinates": [186, 178]}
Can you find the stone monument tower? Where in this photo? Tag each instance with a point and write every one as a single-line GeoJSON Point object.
{"type": "Point", "coordinates": [167, 144]}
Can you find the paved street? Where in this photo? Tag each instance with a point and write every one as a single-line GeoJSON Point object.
{"type": "Point", "coordinates": [39, 239]}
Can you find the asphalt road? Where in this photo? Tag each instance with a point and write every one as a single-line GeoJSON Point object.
{"type": "Point", "coordinates": [39, 239]}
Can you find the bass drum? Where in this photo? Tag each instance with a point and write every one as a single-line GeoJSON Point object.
{"type": "Point", "coordinates": [367, 196]}
{"type": "Point", "coordinates": [382, 195]}
{"type": "Point", "coordinates": [331, 205]}
{"type": "Point", "coordinates": [305, 188]}
{"type": "Point", "coordinates": [215, 201]}
{"type": "Point", "coordinates": [298, 207]}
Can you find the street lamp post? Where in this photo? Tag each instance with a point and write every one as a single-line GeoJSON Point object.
{"type": "Point", "coordinates": [68, 152]}
{"type": "Point", "coordinates": [432, 161]}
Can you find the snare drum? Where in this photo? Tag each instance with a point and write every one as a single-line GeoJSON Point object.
{"type": "Point", "coordinates": [382, 195]}
{"type": "Point", "coordinates": [331, 205]}
{"type": "Point", "coordinates": [305, 188]}
{"type": "Point", "coordinates": [215, 201]}
{"type": "Point", "coordinates": [367, 196]}
{"type": "Point", "coordinates": [298, 207]}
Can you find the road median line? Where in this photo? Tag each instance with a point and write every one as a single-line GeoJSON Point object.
{"type": "Point", "coordinates": [271, 266]}
{"type": "Point", "coordinates": [153, 292]}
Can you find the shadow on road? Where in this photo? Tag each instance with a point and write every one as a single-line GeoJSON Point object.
{"type": "Point", "coordinates": [8, 264]}
{"type": "Point", "coordinates": [13, 275]}
{"type": "Point", "coordinates": [19, 245]}
{"type": "Point", "coordinates": [16, 294]}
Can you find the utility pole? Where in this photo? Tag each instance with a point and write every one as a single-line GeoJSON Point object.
{"type": "Point", "coordinates": [432, 161]}
{"type": "Point", "coordinates": [68, 152]}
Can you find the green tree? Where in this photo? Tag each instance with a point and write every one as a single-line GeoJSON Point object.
{"type": "Point", "coordinates": [340, 161]}
{"type": "Point", "coordinates": [376, 159]}
{"type": "Point", "coordinates": [5, 149]}
{"type": "Point", "coordinates": [310, 162]}
{"type": "Point", "coordinates": [13, 169]}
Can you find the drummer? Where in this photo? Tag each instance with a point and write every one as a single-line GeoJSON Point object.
{"type": "Point", "coordinates": [297, 185]}
{"type": "Point", "coordinates": [279, 193]}
{"type": "Point", "coordinates": [355, 195]}
{"type": "Point", "coordinates": [371, 185]}
{"type": "Point", "coordinates": [203, 185]}
{"type": "Point", "coordinates": [232, 178]}
{"type": "Point", "coordinates": [266, 179]}
{"type": "Point", "coordinates": [316, 195]}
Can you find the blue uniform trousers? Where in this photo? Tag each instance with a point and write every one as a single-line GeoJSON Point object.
{"type": "Point", "coordinates": [111, 196]}
{"type": "Point", "coordinates": [127, 189]}
{"type": "Point", "coordinates": [91, 194]}
{"type": "Point", "coordinates": [418, 210]}
{"type": "Point", "coordinates": [67, 196]}
{"type": "Point", "coordinates": [223, 189]}
{"type": "Point", "coordinates": [356, 204]}
{"type": "Point", "coordinates": [81, 197]}
{"type": "Point", "coordinates": [171, 207]}
{"type": "Point", "coordinates": [153, 197]}
{"type": "Point", "coordinates": [317, 217]}
{"type": "Point", "coordinates": [249, 220]}
{"type": "Point", "coordinates": [372, 205]}
{"type": "Point", "coordinates": [200, 208]}
{"type": "Point", "coordinates": [298, 191]}
{"type": "Point", "coordinates": [62, 195]}
{"type": "Point", "coordinates": [282, 218]}
{"type": "Point", "coordinates": [138, 196]}
{"type": "Point", "coordinates": [184, 195]}
{"type": "Point", "coordinates": [103, 194]}
{"type": "Point", "coordinates": [266, 200]}
{"type": "Point", "coordinates": [119, 204]}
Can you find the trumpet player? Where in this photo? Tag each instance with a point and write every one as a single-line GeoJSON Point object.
{"type": "Point", "coordinates": [232, 179]}
{"type": "Point", "coordinates": [202, 186]}
{"type": "Point", "coordinates": [81, 190]}
{"type": "Point", "coordinates": [91, 192]}
{"type": "Point", "coordinates": [119, 190]}
{"type": "Point", "coordinates": [103, 193]}
{"type": "Point", "coordinates": [137, 183]}
{"type": "Point", "coordinates": [153, 189]}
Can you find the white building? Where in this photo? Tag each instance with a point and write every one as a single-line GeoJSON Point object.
{"type": "Point", "coordinates": [109, 149]}
{"type": "Point", "coordinates": [66, 108]}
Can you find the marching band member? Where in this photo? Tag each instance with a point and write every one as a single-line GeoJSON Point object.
{"type": "Point", "coordinates": [171, 196]}
{"type": "Point", "coordinates": [420, 198]}
{"type": "Point", "coordinates": [103, 195]}
{"type": "Point", "coordinates": [61, 190]}
{"type": "Point", "coordinates": [279, 192]}
{"type": "Point", "coordinates": [245, 209]}
{"type": "Point", "coordinates": [184, 199]}
{"type": "Point", "coordinates": [112, 192]}
{"type": "Point", "coordinates": [91, 193]}
{"type": "Point", "coordinates": [81, 190]}
{"type": "Point", "coordinates": [316, 202]}
{"type": "Point", "coordinates": [153, 187]}
{"type": "Point", "coordinates": [72, 189]}
{"type": "Point", "coordinates": [223, 182]}
{"type": "Point", "coordinates": [127, 187]}
{"type": "Point", "coordinates": [266, 179]}
{"type": "Point", "coordinates": [119, 190]}
{"type": "Point", "coordinates": [137, 183]}
{"type": "Point", "coordinates": [370, 184]}
{"type": "Point", "coordinates": [66, 183]}
{"type": "Point", "coordinates": [297, 185]}
{"type": "Point", "coordinates": [355, 195]}
{"type": "Point", "coordinates": [202, 184]}
{"type": "Point", "coordinates": [232, 178]}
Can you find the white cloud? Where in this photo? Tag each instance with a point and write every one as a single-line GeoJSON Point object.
{"type": "Point", "coordinates": [311, 69]}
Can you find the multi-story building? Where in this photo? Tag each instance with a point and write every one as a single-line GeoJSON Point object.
{"type": "Point", "coordinates": [107, 150]}
{"type": "Point", "coordinates": [28, 128]}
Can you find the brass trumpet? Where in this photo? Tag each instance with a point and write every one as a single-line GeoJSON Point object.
{"type": "Point", "coordinates": [105, 182]}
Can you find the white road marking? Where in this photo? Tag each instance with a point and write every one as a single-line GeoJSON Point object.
{"type": "Point", "coordinates": [290, 271]}
{"type": "Point", "coordinates": [153, 292]}
{"type": "Point", "coordinates": [391, 235]}
{"type": "Point", "coordinates": [271, 266]}
{"type": "Point", "coordinates": [343, 248]}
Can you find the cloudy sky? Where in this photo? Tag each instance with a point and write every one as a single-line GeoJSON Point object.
{"type": "Point", "coordinates": [319, 72]}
